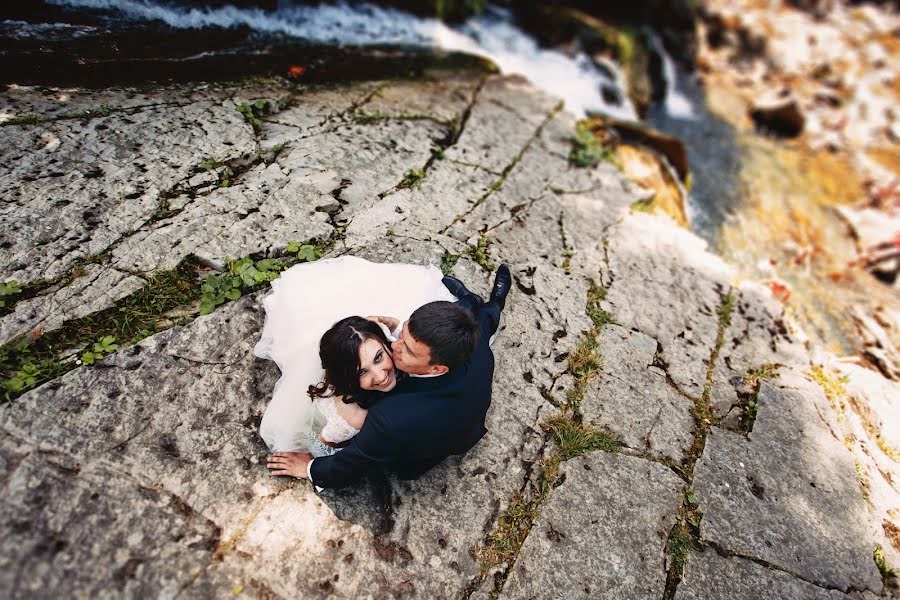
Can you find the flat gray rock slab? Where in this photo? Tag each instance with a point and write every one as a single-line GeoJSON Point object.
{"type": "Point", "coordinates": [508, 112]}
{"type": "Point", "coordinates": [787, 495]}
{"type": "Point", "coordinates": [756, 337]}
{"type": "Point", "coordinates": [609, 547]}
{"type": "Point", "coordinates": [632, 399]}
{"type": "Point", "coordinates": [74, 188]}
{"type": "Point", "coordinates": [709, 576]}
{"type": "Point", "coordinates": [663, 282]}
{"type": "Point", "coordinates": [93, 531]}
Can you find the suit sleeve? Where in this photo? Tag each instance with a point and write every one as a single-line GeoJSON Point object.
{"type": "Point", "coordinates": [371, 446]}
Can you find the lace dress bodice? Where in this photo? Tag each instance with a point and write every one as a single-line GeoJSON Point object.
{"type": "Point", "coordinates": [336, 429]}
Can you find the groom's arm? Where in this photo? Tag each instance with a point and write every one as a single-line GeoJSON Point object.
{"type": "Point", "coordinates": [371, 446]}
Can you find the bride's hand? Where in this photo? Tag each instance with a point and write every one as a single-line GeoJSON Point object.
{"type": "Point", "coordinates": [390, 322]}
{"type": "Point", "coordinates": [292, 464]}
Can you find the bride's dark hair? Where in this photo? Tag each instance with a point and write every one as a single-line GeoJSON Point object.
{"type": "Point", "coordinates": [339, 352]}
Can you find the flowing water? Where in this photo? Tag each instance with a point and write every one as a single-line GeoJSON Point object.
{"type": "Point", "coordinates": [763, 205]}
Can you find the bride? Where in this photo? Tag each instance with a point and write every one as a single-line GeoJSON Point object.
{"type": "Point", "coordinates": [334, 364]}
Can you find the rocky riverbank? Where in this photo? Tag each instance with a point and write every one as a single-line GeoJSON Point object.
{"type": "Point", "coordinates": [657, 430]}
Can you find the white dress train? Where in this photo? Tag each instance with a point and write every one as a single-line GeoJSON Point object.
{"type": "Point", "coordinates": [304, 303]}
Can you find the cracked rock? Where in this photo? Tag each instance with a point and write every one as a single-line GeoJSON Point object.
{"type": "Point", "coordinates": [580, 549]}
{"type": "Point", "coordinates": [787, 495]}
{"type": "Point", "coordinates": [631, 398]}
{"type": "Point", "coordinates": [709, 576]}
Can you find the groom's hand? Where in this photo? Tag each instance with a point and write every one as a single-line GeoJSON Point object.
{"type": "Point", "coordinates": [292, 464]}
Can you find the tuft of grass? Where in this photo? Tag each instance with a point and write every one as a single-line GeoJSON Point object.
{"type": "Point", "coordinates": [479, 253]}
{"type": "Point", "coordinates": [583, 364]}
{"type": "Point", "coordinates": [513, 526]}
{"type": "Point", "coordinates": [365, 118]}
{"type": "Point", "coordinates": [412, 179]}
{"type": "Point", "coordinates": [596, 295]}
{"type": "Point", "coordinates": [586, 150]}
{"type": "Point", "coordinates": [25, 119]}
{"type": "Point", "coordinates": [448, 261]}
{"type": "Point", "coordinates": [683, 538]}
{"type": "Point", "coordinates": [574, 439]}
{"type": "Point", "coordinates": [750, 402]}
{"type": "Point", "coordinates": [583, 361]}
{"type": "Point", "coordinates": [725, 311]}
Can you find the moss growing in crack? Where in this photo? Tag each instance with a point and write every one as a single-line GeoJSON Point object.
{"type": "Point", "coordinates": [25, 119]}
{"type": "Point", "coordinates": [750, 401]}
{"type": "Point", "coordinates": [865, 484]}
{"type": "Point", "coordinates": [479, 253]}
{"type": "Point", "coordinates": [598, 316]}
{"type": "Point", "coordinates": [412, 179]}
{"type": "Point", "coordinates": [583, 364]}
{"type": "Point", "coordinates": [458, 10]}
{"type": "Point", "coordinates": [725, 311]}
{"type": "Point", "coordinates": [574, 439]}
{"type": "Point", "coordinates": [832, 385]}
{"type": "Point", "coordinates": [503, 544]}
{"type": "Point", "coordinates": [586, 150]}
{"type": "Point", "coordinates": [448, 261]}
{"type": "Point", "coordinates": [683, 538]}
{"type": "Point", "coordinates": [366, 118]}
{"type": "Point", "coordinates": [881, 562]}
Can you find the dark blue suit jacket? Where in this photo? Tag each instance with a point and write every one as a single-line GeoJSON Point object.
{"type": "Point", "coordinates": [422, 421]}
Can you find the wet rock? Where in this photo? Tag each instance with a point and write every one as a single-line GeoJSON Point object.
{"type": "Point", "coordinates": [780, 116]}
{"type": "Point", "coordinates": [787, 495]}
{"type": "Point", "coordinates": [588, 550]}
{"type": "Point", "coordinates": [709, 576]}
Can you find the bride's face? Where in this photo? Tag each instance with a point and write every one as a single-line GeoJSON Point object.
{"type": "Point", "coordinates": [376, 369]}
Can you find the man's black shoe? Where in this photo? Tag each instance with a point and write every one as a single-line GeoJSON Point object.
{"type": "Point", "coordinates": [459, 289]}
{"type": "Point", "coordinates": [502, 284]}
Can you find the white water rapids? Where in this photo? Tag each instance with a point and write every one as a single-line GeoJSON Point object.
{"type": "Point", "coordinates": [493, 36]}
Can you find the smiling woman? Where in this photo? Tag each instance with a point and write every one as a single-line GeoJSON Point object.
{"type": "Point", "coordinates": [342, 362]}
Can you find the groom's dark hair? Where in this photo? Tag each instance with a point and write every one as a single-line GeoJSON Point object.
{"type": "Point", "coordinates": [448, 329]}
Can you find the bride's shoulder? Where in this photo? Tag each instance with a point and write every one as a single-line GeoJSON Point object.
{"type": "Point", "coordinates": [353, 413]}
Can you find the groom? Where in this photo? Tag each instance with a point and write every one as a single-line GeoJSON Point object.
{"type": "Point", "coordinates": [438, 410]}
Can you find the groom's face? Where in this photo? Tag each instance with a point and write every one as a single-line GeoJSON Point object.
{"type": "Point", "coordinates": [412, 356]}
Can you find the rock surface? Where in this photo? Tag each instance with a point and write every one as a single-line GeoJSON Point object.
{"type": "Point", "coordinates": [785, 515]}
{"type": "Point", "coordinates": [145, 471]}
{"type": "Point", "coordinates": [585, 550]}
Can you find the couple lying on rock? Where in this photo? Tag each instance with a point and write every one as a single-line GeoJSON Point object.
{"type": "Point", "coordinates": [394, 394]}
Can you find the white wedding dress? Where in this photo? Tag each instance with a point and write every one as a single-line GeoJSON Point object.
{"type": "Point", "coordinates": [305, 302]}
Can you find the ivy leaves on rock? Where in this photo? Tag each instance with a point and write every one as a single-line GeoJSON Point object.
{"type": "Point", "coordinates": [102, 347]}
{"type": "Point", "coordinates": [8, 288]}
{"type": "Point", "coordinates": [244, 273]}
